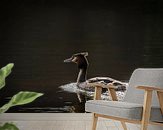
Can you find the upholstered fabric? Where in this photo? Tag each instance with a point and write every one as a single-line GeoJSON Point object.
{"type": "Point", "coordinates": [144, 77]}
{"type": "Point", "coordinates": [121, 109]}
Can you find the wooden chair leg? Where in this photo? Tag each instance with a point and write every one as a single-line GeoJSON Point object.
{"type": "Point", "coordinates": [146, 109]}
{"type": "Point", "coordinates": [124, 125]}
{"type": "Point", "coordinates": [160, 98]}
{"type": "Point", "coordinates": [94, 122]}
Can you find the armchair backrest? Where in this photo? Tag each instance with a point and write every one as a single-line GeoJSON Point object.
{"type": "Point", "coordinates": [144, 77]}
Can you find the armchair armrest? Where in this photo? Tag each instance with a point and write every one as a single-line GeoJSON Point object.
{"type": "Point", "coordinates": [149, 88]}
{"type": "Point", "coordinates": [98, 89]}
{"type": "Point", "coordinates": [101, 85]}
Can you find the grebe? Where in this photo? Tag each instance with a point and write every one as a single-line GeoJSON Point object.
{"type": "Point", "coordinates": [82, 82]}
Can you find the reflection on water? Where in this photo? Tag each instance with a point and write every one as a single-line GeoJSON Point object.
{"type": "Point", "coordinates": [65, 109]}
{"type": "Point", "coordinates": [119, 37]}
{"type": "Point", "coordinates": [89, 92]}
{"type": "Point", "coordinates": [69, 106]}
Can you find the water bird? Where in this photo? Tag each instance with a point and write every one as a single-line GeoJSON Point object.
{"type": "Point", "coordinates": [82, 62]}
{"type": "Point", "coordinates": [82, 82]}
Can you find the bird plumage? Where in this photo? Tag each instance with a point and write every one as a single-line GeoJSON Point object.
{"type": "Point", "coordinates": [82, 82]}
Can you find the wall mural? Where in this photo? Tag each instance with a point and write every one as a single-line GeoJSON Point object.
{"type": "Point", "coordinates": [102, 42]}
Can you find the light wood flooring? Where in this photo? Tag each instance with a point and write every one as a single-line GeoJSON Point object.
{"type": "Point", "coordinates": [58, 121]}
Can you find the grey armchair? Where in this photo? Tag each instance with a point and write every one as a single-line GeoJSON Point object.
{"type": "Point", "coordinates": [143, 103]}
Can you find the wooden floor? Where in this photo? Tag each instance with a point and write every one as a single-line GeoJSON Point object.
{"type": "Point", "coordinates": [58, 121]}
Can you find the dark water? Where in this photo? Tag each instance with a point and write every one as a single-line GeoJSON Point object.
{"type": "Point", "coordinates": [38, 36]}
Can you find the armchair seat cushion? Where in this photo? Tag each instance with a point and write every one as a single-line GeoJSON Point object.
{"type": "Point", "coordinates": [125, 110]}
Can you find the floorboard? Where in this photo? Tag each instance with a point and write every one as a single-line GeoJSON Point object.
{"type": "Point", "coordinates": [57, 121]}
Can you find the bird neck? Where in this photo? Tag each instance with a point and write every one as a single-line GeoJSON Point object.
{"type": "Point", "coordinates": [82, 75]}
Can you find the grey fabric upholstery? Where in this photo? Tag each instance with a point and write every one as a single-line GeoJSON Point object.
{"type": "Point", "coordinates": [125, 110]}
{"type": "Point", "coordinates": [147, 77]}
{"type": "Point", "coordinates": [131, 107]}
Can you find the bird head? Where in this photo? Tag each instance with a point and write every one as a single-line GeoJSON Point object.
{"type": "Point", "coordinates": [80, 59]}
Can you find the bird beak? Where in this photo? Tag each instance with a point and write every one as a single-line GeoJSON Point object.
{"type": "Point", "coordinates": [68, 60]}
